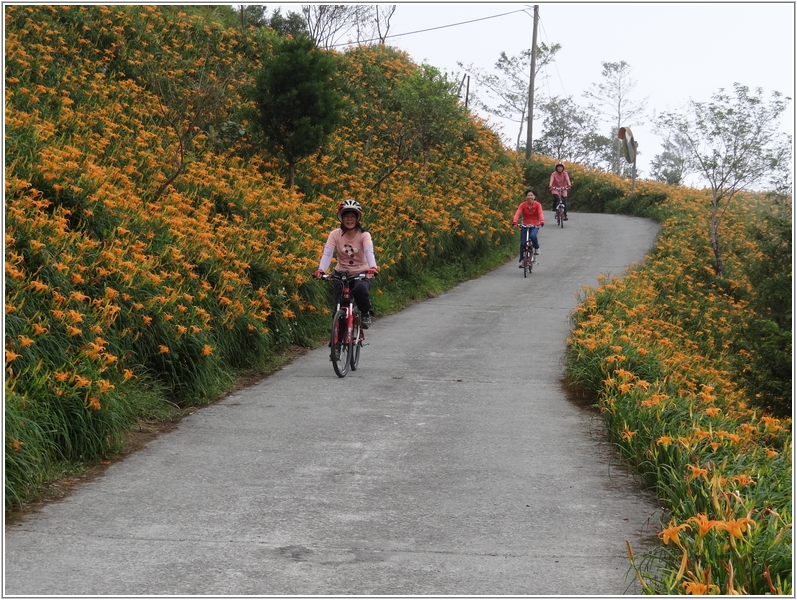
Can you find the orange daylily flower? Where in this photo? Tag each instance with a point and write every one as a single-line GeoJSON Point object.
{"type": "Point", "coordinates": [704, 524]}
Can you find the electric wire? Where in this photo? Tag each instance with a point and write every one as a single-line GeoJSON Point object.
{"type": "Point", "coordinates": [559, 75]}
{"type": "Point", "coordinates": [431, 28]}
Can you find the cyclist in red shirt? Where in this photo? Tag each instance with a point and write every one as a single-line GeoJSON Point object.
{"type": "Point", "coordinates": [559, 179]}
{"type": "Point", "coordinates": [529, 212]}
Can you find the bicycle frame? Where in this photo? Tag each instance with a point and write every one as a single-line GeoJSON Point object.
{"type": "Point", "coordinates": [343, 339]}
{"type": "Point", "coordinates": [560, 213]}
{"type": "Point", "coordinates": [560, 205]}
{"type": "Point", "coordinates": [528, 253]}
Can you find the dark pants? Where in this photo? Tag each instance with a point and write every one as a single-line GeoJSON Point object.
{"type": "Point", "coordinates": [360, 291]}
{"type": "Point", "coordinates": [525, 234]}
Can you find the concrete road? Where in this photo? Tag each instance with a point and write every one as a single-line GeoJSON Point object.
{"type": "Point", "coordinates": [450, 463]}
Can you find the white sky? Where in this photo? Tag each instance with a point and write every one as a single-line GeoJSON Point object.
{"type": "Point", "coordinates": [676, 50]}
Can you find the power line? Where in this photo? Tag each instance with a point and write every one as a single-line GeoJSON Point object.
{"type": "Point", "coordinates": [431, 28]}
{"type": "Point", "coordinates": [554, 65]}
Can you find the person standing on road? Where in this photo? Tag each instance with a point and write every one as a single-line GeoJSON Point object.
{"type": "Point", "coordinates": [558, 185]}
{"type": "Point", "coordinates": [529, 213]}
{"type": "Point", "coordinates": [355, 253]}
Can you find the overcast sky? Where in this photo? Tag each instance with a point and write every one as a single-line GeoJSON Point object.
{"type": "Point", "coordinates": [677, 51]}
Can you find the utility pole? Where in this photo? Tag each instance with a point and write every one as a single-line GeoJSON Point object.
{"type": "Point", "coordinates": [531, 80]}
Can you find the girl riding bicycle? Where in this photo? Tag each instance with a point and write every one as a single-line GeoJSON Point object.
{"type": "Point", "coordinates": [530, 211]}
{"type": "Point", "coordinates": [354, 250]}
{"type": "Point", "coordinates": [559, 184]}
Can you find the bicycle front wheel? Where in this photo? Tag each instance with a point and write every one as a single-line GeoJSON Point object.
{"type": "Point", "coordinates": [339, 347]}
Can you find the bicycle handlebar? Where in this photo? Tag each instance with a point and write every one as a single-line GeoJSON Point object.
{"type": "Point", "coordinates": [344, 275]}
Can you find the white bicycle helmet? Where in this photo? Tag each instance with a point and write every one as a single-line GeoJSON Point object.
{"type": "Point", "coordinates": [350, 204]}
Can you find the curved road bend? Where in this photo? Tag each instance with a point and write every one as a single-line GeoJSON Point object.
{"type": "Point", "coordinates": [450, 463]}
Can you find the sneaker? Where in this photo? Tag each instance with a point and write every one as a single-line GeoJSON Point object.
{"type": "Point", "coordinates": [536, 251]}
{"type": "Point", "coordinates": [337, 353]}
{"type": "Point", "coordinates": [365, 321]}
{"type": "Point", "coordinates": [520, 265]}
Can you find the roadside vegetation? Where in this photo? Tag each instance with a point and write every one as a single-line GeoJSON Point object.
{"type": "Point", "coordinates": [154, 253]}
{"type": "Point", "coordinates": [693, 377]}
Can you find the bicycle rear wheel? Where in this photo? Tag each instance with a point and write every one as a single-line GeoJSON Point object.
{"type": "Point", "coordinates": [357, 343]}
{"type": "Point", "coordinates": [339, 347]}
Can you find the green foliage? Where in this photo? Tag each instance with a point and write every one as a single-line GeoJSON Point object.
{"type": "Point", "coordinates": [428, 102]}
{"type": "Point", "coordinates": [733, 144]}
{"type": "Point", "coordinates": [152, 252]}
{"type": "Point", "coordinates": [569, 133]}
{"type": "Point", "coordinates": [298, 101]}
{"type": "Point", "coordinates": [291, 25]}
{"type": "Point", "coordinates": [671, 165]}
{"type": "Point", "coordinates": [510, 85]}
{"type": "Point", "coordinates": [768, 375]}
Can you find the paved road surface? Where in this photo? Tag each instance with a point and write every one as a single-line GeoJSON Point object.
{"type": "Point", "coordinates": [450, 463]}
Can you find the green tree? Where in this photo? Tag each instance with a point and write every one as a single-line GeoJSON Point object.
{"type": "Point", "coordinates": [670, 166]}
{"type": "Point", "coordinates": [734, 143]}
{"type": "Point", "coordinates": [569, 133]}
{"type": "Point", "coordinates": [614, 102]}
{"type": "Point", "coordinates": [298, 101]}
{"type": "Point", "coordinates": [292, 24]}
{"type": "Point", "coordinates": [510, 87]}
{"type": "Point", "coordinates": [428, 107]}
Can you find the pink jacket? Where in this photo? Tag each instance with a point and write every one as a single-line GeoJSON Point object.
{"type": "Point", "coordinates": [532, 215]}
{"type": "Point", "coordinates": [559, 180]}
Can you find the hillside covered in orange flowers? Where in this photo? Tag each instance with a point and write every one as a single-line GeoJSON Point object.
{"type": "Point", "coordinates": [151, 247]}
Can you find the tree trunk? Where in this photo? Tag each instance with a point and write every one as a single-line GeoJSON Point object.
{"type": "Point", "coordinates": [291, 174]}
{"type": "Point", "coordinates": [719, 268]}
{"type": "Point", "coordinates": [367, 145]}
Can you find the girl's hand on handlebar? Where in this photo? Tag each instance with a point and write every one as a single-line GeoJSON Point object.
{"type": "Point", "coordinates": [372, 272]}
{"type": "Point", "coordinates": [318, 274]}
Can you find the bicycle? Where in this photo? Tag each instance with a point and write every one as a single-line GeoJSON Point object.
{"type": "Point", "coordinates": [529, 258]}
{"type": "Point", "coordinates": [347, 336]}
{"type": "Point", "coordinates": [560, 211]}
{"type": "Point", "coordinates": [560, 214]}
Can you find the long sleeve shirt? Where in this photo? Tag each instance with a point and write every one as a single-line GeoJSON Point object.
{"type": "Point", "coordinates": [354, 256]}
{"type": "Point", "coordinates": [560, 180]}
{"type": "Point", "coordinates": [532, 215]}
